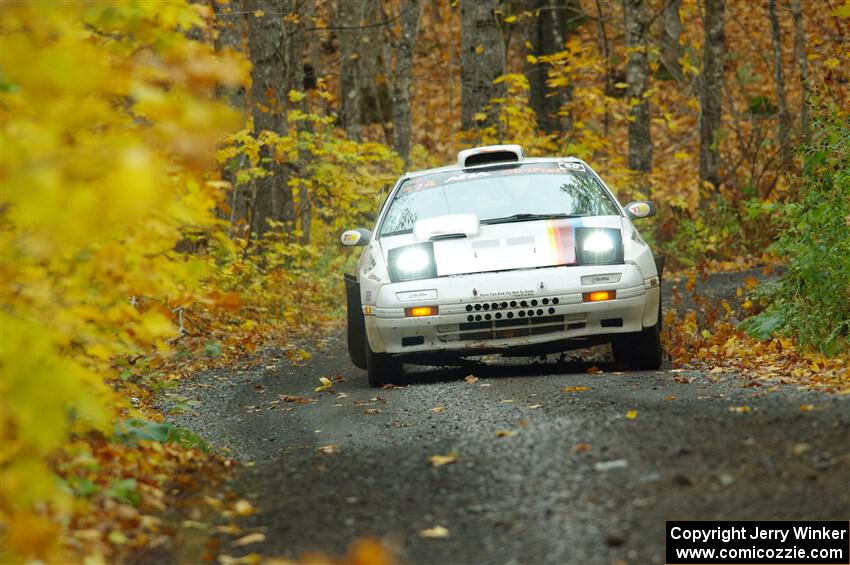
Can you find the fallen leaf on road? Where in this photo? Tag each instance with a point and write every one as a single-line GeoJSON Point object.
{"type": "Point", "coordinates": [438, 409]}
{"type": "Point", "coordinates": [326, 384]}
{"type": "Point", "coordinates": [807, 407]}
{"type": "Point", "coordinates": [296, 399]}
{"type": "Point", "coordinates": [671, 397]}
{"type": "Point", "coordinates": [380, 399]}
{"type": "Point", "coordinates": [506, 400]}
{"type": "Point", "coordinates": [594, 370]}
{"type": "Point", "coordinates": [250, 559]}
{"type": "Point", "coordinates": [800, 448]}
{"type": "Point", "coordinates": [243, 508]}
{"type": "Point", "coordinates": [534, 406]}
{"type": "Point", "coordinates": [256, 537]}
{"type": "Point", "coordinates": [631, 415]}
{"type": "Point", "coordinates": [229, 529]}
{"type": "Point", "coordinates": [471, 379]}
{"type": "Point", "coordinates": [609, 465]}
{"type": "Point", "coordinates": [682, 380]}
{"type": "Point", "coordinates": [740, 409]}
{"type": "Point", "coordinates": [717, 370]}
{"type": "Point", "coordinates": [327, 449]}
{"type": "Point", "coordinates": [435, 532]}
{"type": "Point", "coordinates": [575, 388]}
{"type": "Point", "coordinates": [505, 433]}
{"type": "Point", "coordinates": [581, 448]}
{"type": "Point", "coordinates": [372, 411]}
{"type": "Point", "coordinates": [391, 385]}
{"type": "Point", "coordinates": [440, 460]}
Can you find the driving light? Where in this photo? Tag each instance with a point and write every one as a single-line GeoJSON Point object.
{"type": "Point", "coordinates": [419, 311]}
{"type": "Point", "coordinates": [413, 260]}
{"type": "Point", "coordinates": [599, 295]}
{"type": "Point", "coordinates": [598, 242]}
{"type": "Point", "coordinates": [599, 246]}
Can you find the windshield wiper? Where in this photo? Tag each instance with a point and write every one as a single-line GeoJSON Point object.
{"type": "Point", "coordinates": [528, 218]}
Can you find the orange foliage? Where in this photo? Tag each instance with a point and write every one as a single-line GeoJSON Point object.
{"type": "Point", "coordinates": [707, 337]}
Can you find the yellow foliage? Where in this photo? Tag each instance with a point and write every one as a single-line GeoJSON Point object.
{"type": "Point", "coordinates": [107, 130]}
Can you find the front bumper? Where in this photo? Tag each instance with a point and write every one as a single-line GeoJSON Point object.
{"type": "Point", "coordinates": [511, 309]}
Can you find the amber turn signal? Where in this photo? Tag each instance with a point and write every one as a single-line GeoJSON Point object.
{"type": "Point", "coordinates": [419, 311]}
{"type": "Point", "coordinates": [599, 295]}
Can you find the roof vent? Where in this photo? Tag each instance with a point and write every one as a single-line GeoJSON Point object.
{"type": "Point", "coordinates": [489, 154]}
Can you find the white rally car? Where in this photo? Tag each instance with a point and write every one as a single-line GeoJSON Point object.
{"type": "Point", "coordinates": [501, 253]}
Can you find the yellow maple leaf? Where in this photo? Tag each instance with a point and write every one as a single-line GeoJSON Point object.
{"type": "Point", "coordinates": [326, 384]}
{"type": "Point", "coordinates": [440, 460]}
{"type": "Point", "coordinates": [435, 532]}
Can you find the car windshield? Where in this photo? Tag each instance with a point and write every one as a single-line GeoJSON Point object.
{"type": "Point", "coordinates": [516, 193]}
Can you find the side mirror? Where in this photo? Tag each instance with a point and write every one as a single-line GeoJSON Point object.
{"type": "Point", "coordinates": [352, 238]}
{"type": "Point", "coordinates": [640, 209]}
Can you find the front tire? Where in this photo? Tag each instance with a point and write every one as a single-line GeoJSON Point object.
{"type": "Point", "coordinates": [381, 368]}
{"type": "Point", "coordinates": [640, 351]}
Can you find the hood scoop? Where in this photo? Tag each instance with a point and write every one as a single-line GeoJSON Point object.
{"type": "Point", "coordinates": [452, 226]}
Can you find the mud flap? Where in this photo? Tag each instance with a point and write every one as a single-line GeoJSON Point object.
{"type": "Point", "coordinates": [659, 264]}
{"type": "Point", "coordinates": [356, 323]}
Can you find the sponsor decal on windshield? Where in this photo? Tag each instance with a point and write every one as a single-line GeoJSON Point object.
{"type": "Point", "coordinates": [442, 179]}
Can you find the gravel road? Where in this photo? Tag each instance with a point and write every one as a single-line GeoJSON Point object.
{"type": "Point", "coordinates": [541, 475]}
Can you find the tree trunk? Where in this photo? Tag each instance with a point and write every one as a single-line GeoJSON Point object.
{"type": "Point", "coordinates": [800, 48]}
{"type": "Point", "coordinates": [547, 33]}
{"type": "Point", "coordinates": [606, 54]}
{"type": "Point", "coordinates": [710, 92]}
{"type": "Point", "coordinates": [273, 196]}
{"type": "Point", "coordinates": [406, 48]}
{"type": "Point", "coordinates": [482, 60]}
{"type": "Point", "coordinates": [637, 70]}
{"type": "Point", "coordinates": [294, 56]}
{"type": "Point", "coordinates": [348, 13]}
{"type": "Point", "coordinates": [232, 29]}
{"type": "Point", "coordinates": [671, 49]}
{"type": "Point", "coordinates": [784, 126]}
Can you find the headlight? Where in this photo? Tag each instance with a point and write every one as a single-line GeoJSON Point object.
{"type": "Point", "coordinates": [599, 246]}
{"type": "Point", "coordinates": [598, 242]}
{"type": "Point", "coordinates": [412, 262]}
